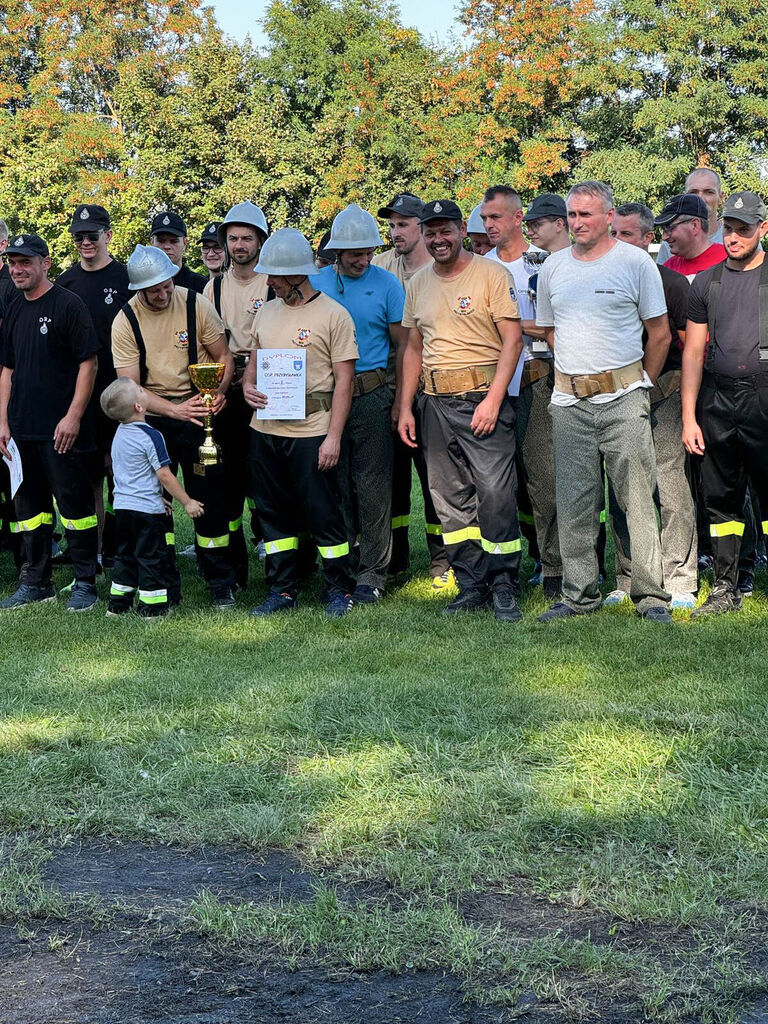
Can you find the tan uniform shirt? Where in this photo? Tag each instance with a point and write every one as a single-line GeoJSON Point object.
{"type": "Point", "coordinates": [322, 327]}
{"type": "Point", "coordinates": [166, 341]}
{"type": "Point", "coordinates": [240, 302]}
{"type": "Point", "coordinates": [394, 263]}
{"type": "Point", "coordinates": [457, 317]}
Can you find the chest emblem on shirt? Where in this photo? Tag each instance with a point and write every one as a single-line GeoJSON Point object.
{"type": "Point", "coordinates": [108, 293]}
{"type": "Point", "coordinates": [44, 321]}
{"type": "Point", "coordinates": [256, 305]}
{"type": "Point", "coordinates": [465, 305]}
{"type": "Point", "coordinates": [182, 341]}
{"type": "Point", "coordinates": [302, 336]}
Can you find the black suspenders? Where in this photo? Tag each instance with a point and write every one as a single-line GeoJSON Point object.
{"type": "Point", "coordinates": [130, 316]}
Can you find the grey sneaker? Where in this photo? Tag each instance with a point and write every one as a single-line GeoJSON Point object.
{"type": "Point", "coordinates": [27, 594]}
{"type": "Point", "coordinates": [83, 597]}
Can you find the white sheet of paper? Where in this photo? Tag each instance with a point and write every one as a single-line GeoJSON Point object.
{"type": "Point", "coordinates": [15, 466]}
{"type": "Point", "coordinates": [281, 375]}
{"type": "Point", "coordinates": [514, 385]}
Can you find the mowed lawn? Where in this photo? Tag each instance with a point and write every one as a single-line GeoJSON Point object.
{"type": "Point", "coordinates": [605, 767]}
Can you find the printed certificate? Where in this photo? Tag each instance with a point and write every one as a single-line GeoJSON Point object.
{"type": "Point", "coordinates": [281, 375]}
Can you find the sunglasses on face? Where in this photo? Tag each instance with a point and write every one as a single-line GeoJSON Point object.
{"type": "Point", "coordinates": [86, 236]}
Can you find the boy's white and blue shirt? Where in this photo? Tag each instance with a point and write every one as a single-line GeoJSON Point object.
{"type": "Point", "coordinates": [138, 452]}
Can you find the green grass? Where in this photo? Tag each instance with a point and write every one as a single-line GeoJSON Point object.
{"type": "Point", "coordinates": [617, 765]}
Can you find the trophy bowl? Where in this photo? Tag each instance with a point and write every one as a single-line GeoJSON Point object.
{"type": "Point", "coordinates": [206, 377]}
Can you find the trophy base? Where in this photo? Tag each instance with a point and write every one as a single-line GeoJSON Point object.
{"type": "Point", "coordinates": [208, 457]}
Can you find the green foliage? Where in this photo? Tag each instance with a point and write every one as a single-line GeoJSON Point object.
{"type": "Point", "coordinates": [139, 106]}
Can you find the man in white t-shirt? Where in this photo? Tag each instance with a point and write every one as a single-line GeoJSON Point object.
{"type": "Point", "coordinates": [595, 298]}
{"type": "Point", "coordinates": [502, 215]}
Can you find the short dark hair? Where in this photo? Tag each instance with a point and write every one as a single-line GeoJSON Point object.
{"type": "Point", "coordinates": [643, 213]}
{"type": "Point", "coordinates": [502, 190]}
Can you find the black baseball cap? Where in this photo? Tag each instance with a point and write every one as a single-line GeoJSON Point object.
{"type": "Point", "coordinates": [89, 217]}
{"type": "Point", "coordinates": [546, 205]}
{"type": "Point", "coordinates": [323, 252]}
{"type": "Point", "coordinates": [168, 223]}
{"type": "Point", "coordinates": [210, 232]}
{"type": "Point", "coordinates": [440, 209]}
{"type": "Point", "coordinates": [405, 204]}
{"type": "Point", "coordinates": [747, 207]}
{"type": "Point", "coordinates": [26, 245]}
{"type": "Point", "coordinates": [685, 205]}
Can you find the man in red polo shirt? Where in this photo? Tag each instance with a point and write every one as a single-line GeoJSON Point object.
{"type": "Point", "coordinates": [684, 222]}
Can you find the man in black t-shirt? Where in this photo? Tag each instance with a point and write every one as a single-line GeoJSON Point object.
{"type": "Point", "coordinates": [102, 283]}
{"type": "Point", "coordinates": [725, 388]}
{"type": "Point", "coordinates": [169, 233]}
{"type": "Point", "coordinates": [49, 358]}
{"type": "Point", "coordinates": [633, 223]}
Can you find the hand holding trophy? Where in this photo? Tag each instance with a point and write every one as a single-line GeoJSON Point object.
{"type": "Point", "coordinates": [206, 377]}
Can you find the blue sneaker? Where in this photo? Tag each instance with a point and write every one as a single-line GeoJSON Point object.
{"type": "Point", "coordinates": [681, 599]}
{"type": "Point", "coordinates": [27, 594]}
{"type": "Point", "coordinates": [537, 578]}
{"type": "Point", "coordinates": [275, 602]}
{"type": "Point", "coordinates": [339, 605]}
{"type": "Point", "coordinates": [83, 597]}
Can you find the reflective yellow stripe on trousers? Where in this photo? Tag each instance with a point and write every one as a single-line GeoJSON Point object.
{"type": "Point", "coordinates": [26, 525]}
{"type": "Point", "coordinates": [87, 523]}
{"type": "Point", "coordinates": [334, 551]}
{"type": "Point", "coordinates": [274, 547]}
{"type": "Point", "coordinates": [732, 529]}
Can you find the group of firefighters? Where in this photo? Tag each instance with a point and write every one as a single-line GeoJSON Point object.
{"type": "Point", "coordinates": [517, 358]}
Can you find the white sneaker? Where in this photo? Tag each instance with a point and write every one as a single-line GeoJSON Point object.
{"type": "Point", "coordinates": [261, 550]}
{"type": "Point", "coordinates": [188, 552]}
{"type": "Point", "coordinates": [616, 597]}
{"type": "Point", "coordinates": [681, 599]}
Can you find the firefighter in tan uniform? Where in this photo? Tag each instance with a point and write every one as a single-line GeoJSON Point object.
{"type": "Point", "coordinates": [406, 257]}
{"type": "Point", "coordinates": [155, 338]}
{"type": "Point", "coordinates": [238, 295]}
{"type": "Point", "coordinates": [295, 460]}
{"type": "Point", "coordinates": [465, 336]}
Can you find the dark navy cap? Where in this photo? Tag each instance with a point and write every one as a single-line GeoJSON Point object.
{"type": "Point", "coordinates": [89, 217]}
{"type": "Point", "coordinates": [169, 223]}
{"type": "Point", "coordinates": [747, 207]}
{"type": "Point", "coordinates": [685, 205]}
{"type": "Point", "coordinates": [547, 205]}
{"type": "Point", "coordinates": [405, 204]}
{"type": "Point", "coordinates": [210, 232]}
{"type": "Point", "coordinates": [26, 245]}
{"type": "Point", "coordinates": [440, 209]}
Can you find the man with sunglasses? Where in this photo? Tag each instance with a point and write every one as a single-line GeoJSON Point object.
{"type": "Point", "coordinates": [685, 222]}
{"type": "Point", "coordinates": [102, 283]}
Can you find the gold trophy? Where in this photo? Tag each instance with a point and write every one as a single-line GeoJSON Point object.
{"type": "Point", "coordinates": [206, 377]}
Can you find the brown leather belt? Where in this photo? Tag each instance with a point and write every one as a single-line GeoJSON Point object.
{"type": "Point", "coordinates": [367, 381]}
{"type": "Point", "coordinates": [318, 401]}
{"type": "Point", "coordinates": [585, 385]}
{"type": "Point", "coordinates": [535, 369]}
{"type": "Point", "coordinates": [458, 382]}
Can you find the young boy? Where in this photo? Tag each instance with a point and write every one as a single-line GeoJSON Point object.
{"type": "Point", "coordinates": [140, 465]}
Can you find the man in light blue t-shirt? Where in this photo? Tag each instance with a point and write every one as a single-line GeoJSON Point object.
{"type": "Point", "coordinates": [374, 298]}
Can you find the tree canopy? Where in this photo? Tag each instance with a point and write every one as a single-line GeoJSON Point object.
{"type": "Point", "coordinates": [138, 104]}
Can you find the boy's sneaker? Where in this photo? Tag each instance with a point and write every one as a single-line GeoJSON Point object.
{"type": "Point", "coordinates": [222, 599]}
{"type": "Point", "coordinates": [83, 597]}
{"type": "Point", "coordinates": [339, 605]}
{"type": "Point", "coordinates": [656, 613]}
{"type": "Point", "coordinates": [616, 597]}
{"type": "Point", "coordinates": [719, 601]}
{"type": "Point", "coordinates": [445, 581]}
{"type": "Point", "coordinates": [363, 594]}
{"type": "Point", "coordinates": [27, 594]}
{"type": "Point", "coordinates": [682, 599]}
{"type": "Point", "coordinates": [472, 599]}
{"type": "Point", "coordinates": [505, 606]}
{"type": "Point", "coordinates": [116, 613]}
{"type": "Point", "coordinates": [746, 583]}
{"type": "Point", "coordinates": [275, 602]}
